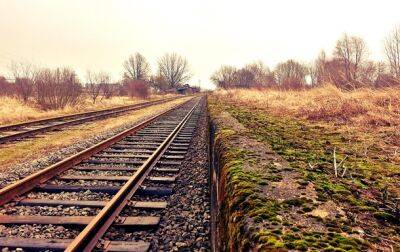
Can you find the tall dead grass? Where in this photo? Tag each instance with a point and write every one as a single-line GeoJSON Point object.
{"type": "Point", "coordinates": [362, 108]}
{"type": "Point", "coordinates": [13, 110]}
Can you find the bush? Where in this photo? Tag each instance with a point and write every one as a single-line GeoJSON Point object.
{"type": "Point", "coordinates": [57, 88]}
{"type": "Point", "coordinates": [7, 88]}
{"type": "Point", "coordinates": [24, 88]}
{"type": "Point", "coordinates": [137, 88]}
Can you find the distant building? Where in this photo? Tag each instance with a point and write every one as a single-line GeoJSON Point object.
{"type": "Point", "coordinates": [185, 89]}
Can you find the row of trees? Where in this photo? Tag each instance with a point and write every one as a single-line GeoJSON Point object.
{"type": "Point", "coordinates": [173, 70]}
{"type": "Point", "coordinates": [348, 68]}
{"type": "Point", "coordinates": [56, 88]}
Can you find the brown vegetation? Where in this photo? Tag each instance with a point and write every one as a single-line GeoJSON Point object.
{"type": "Point", "coordinates": [348, 68]}
{"type": "Point", "coordinates": [13, 110]}
{"type": "Point", "coordinates": [6, 88]}
{"type": "Point", "coordinates": [55, 89]}
{"type": "Point", "coordinates": [97, 82]}
{"type": "Point", "coordinates": [344, 145]}
{"type": "Point", "coordinates": [361, 108]}
{"type": "Point", "coordinates": [137, 88]}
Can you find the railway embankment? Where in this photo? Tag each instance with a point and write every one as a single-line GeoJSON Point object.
{"type": "Point", "coordinates": [269, 199]}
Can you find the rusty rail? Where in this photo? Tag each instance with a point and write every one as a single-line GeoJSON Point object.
{"type": "Point", "coordinates": [88, 238]}
{"type": "Point", "coordinates": [28, 183]}
{"type": "Point", "coordinates": [88, 116]}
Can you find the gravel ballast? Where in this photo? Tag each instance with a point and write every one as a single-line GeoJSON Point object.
{"type": "Point", "coordinates": [22, 170]}
{"type": "Point", "coordinates": [185, 223]}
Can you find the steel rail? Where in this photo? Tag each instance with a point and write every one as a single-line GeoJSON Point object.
{"type": "Point", "coordinates": [28, 183]}
{"type": "Point", "coordinates": [93, 116]}
{"type": "Point", "coordinates": [88, 238]}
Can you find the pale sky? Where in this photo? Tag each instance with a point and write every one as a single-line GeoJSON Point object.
{"type": "Point", "coordinates": [100, 34]}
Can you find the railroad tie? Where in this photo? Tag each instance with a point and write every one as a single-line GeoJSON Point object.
{"type": "Point", "coordinates": [137, 222]}
{"type": "Point", "coordinates": [165, 180]}
{"type": "Point", "coordinates": [90, 203]}
{"type": "Point", "coordinates": [143, 190]}
{"type": "Point", "coordinates": [62, 244]}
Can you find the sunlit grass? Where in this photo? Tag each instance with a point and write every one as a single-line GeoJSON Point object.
{"type": "Point", "coordinates": [13, 110]}
{"type": "Point", "coordinates": [362, 108]}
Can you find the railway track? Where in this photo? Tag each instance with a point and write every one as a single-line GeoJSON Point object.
{"type": "Point", "coordinates": [20, 131]}
{"type": "Point", "coordinates": [128, 171]}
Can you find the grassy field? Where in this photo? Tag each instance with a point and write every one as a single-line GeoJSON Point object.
{"type": "Point", "coordinates": [357, 205]}
{"type": "Point", "coordinates": [13, 110]}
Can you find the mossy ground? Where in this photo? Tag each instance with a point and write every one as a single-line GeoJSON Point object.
{"type": "Point", "coordinates": [368, 216]}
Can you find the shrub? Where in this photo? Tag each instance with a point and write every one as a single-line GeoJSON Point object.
{"type": "Point", "coordinates": [57, 88]}
{"type": "Point", "coordinates": [7, 88]}
{"type": "Point", "coordinates": [137, 88]}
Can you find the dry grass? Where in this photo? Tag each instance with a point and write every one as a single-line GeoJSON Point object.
{"type": "Point", "coordinates": [31, 149]}
{"type": "Point", "coordinates": [306, 128]}
{"type": "Point", "coordinates": [361, 108]}
{"type": "Point", "coordinates": [13, 110]}
{"type": "Point", "coordinates": [373, 114]}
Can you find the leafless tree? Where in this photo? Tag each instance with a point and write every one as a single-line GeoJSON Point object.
{"type": "Point", "coordinates": [352, 51]}
{"type": "Point", "coordinates": [244, 78]}
{"type": "Point", "coordinates": [57, 88]}
{"type": "Point", "coordinates": [253, 75]}
{"type": "Point", "coordinates": [136, 67]}
{"type": "Point", "coordinates": [263, 77]}
{"type": "Point", "coordinates": [23, 74]}
{"type": "Point", "coordinates": [105, 84]}
{"type": "Point", "coordinates": [108, 90]}
{"type": "Point", "coordinates": [224, 77]}
{"type": "Point", "coordinates": [291, 75]}
{"type": "Point", "coordinates": [392, 50]}
{"type": "Point", "coordinates": [158, 83]}
{"type": "Point", "coordinates": [95, 82]}
{"type": "Point", "coordinates": [318, 71]}
{"type": "Point", "coordinates": [174, 69]}
{"type": "Point", "coordinates": [7, 88]}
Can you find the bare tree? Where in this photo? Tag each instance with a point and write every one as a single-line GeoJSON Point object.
{"type": "Point", "coordinates": [158, 83]}
{"type": "Point", "coordinates": [392, 50]}
{"type": "Point", "coordinates": [136, 67]}
{"type": "Point", "coordinates": [6, 88]}
{"type": "Point", "coordinates": [263, 77]}
{"type": "Point", "coordinates": [352, 51]}
{"type": "Point", "coordinates": [224, 77]}
{"type": "Point", "coordinates": [105, 84]}
{"type": "Point", "coordinates": [107, 89]}
{"type": "Point", "coordinates": [174, 69]}
{"type": "Point", "coordinates": [244, 78]}
{"type": "Point", "coordinates": [23, 74]}
{"type": "Point", "coordinates": [318, 70]}
{"type": "Point", "coordinates": [57, 88]}
{"type": "Point", "coordinates": [291, 75]}
{"type": "Point", "coordinates": [95, 83]}
{"type": "Point", "coordinates": [253, 75]}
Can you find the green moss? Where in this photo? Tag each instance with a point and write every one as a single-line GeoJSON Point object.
{"type": "Point", "coordinates": [300, 144]}
{"type": "Point", "coordinates": [384, 216]}
{"type": "Point", "coordinates": [296, 202]}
